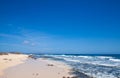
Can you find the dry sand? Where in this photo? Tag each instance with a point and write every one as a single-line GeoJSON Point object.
{"type": "Point", "coordinates": [22, 67]}
{"type": "Point", "coordinates": [10, 60]}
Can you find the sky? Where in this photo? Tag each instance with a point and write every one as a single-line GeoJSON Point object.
{"type": "Point", "coordinates": [60, 26]}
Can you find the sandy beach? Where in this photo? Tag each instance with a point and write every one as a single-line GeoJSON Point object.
{"type": "Point", "coordinates": [20, 66]}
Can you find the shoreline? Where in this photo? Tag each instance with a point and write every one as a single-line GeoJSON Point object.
{"type": "Point", "coordinates": [21, 66]}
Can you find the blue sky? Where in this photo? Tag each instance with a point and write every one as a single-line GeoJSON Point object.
{"type": "Point", "coordinates": [60, 26]}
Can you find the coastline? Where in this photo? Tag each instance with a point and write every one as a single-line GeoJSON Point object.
{"type": "Point", "coordinates": [20, 66]}
{"type": "Point", "coordinates": [58, 66]}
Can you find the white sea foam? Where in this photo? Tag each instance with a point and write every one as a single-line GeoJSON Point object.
{"type": "Point", "coordinates": [96, 66]}
{"type": "Point", "coordinates": [67, 59]}
{"type": "Point", "coordinates": [104, 57]}
{"type": "Point", "coordinates": [116, 60]}
{"type": "Point", "coordinates": [99, 60]}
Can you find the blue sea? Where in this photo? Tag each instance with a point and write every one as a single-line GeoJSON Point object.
{"type": "Point", "coordinates": [93, 65]}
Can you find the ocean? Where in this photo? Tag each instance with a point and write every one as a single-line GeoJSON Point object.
{"type": "Point", "coordinates": [93, 65]}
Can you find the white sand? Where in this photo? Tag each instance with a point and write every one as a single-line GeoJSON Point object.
{"type": "Point", "coordinates": [10, 60]}
{"type": "Point", "coordinates": [35, 69]}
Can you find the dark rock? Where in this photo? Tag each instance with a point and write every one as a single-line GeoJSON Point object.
{"type": "Point", "coordinates": [64, 77]}
{"type": "Point", "coordinates": [5, 59]}
{"type": "Point", "coordinates": [50, 65]}
{"type": "Point", "coordinates": [15, 52]}
{"type": "Point", "coordinates": [3, 53]}
{"type": "Point", "coordinates": [32, 56]}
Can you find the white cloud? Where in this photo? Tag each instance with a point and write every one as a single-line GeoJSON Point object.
{"type": "Point", "coordinates": [33, 44]}
{"type": "Point", "coordinates": [10, 36]}
{"type": "Point", "coordinates": [26, 42]}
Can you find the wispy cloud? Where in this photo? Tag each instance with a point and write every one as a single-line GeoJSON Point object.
{"type": "Point", "coordinates": [26, 42]}
{"type": "Point", "coordinates": [30, 43]}
{"type": "Point", "coordinates": [33, 44]}
{"type": "Point", "coordinates": [34, 40]}
{"type": "Point", "coordinates": [10, 36]}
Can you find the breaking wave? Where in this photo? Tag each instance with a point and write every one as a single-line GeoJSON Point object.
{"type": "Point", "coordinates": [95, 66]}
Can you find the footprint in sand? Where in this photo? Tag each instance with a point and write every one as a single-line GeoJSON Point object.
{"type": "Point", "coordinates": [35, 75]}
